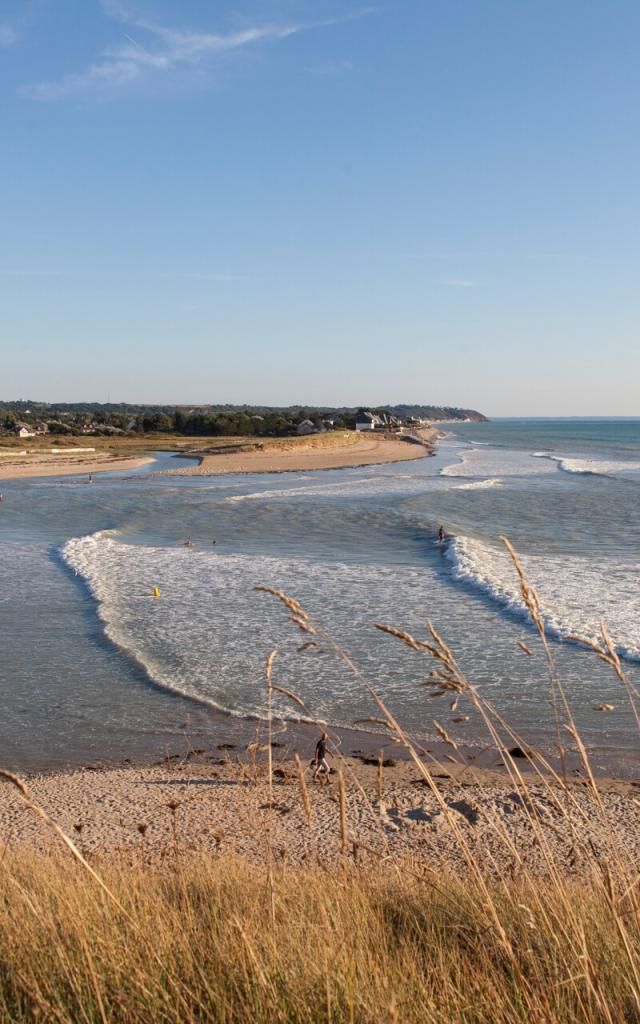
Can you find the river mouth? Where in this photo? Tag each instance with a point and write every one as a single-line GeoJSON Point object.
{"type": "Point", "coordinates": [96, 669]}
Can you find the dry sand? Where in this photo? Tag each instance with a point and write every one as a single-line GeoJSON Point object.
{"type": "Point", "coordinates": [74, 464]}
{"type": "Point", "coordinates": [310, 454]}
{"type": "Point", "coordinates": [322, 451]}
{"type": "Point", "coordinates": [213, 802]}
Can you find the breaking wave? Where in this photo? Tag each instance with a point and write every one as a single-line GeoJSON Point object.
{"type": "Point", "coordinates": [479, 485]}
{"type": "Point", "coordinates": [575, 593]}
{"type": "Point", "coordinates": [495, 462]}
{"type": "Point", "coordinates": [591, 467]}
{"type": "Point", "coordinates": [207, 634]}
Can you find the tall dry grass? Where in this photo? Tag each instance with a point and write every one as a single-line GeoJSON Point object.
{"type": "Point", "coordinates": [202, 943]}
{"type": "Point", "coordinates": [213, 939]}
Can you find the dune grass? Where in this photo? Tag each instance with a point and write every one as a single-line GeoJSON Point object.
{"type": "Point", "coordinates": [215, 939]}
{"type": "Point", "coordinates": [134, 445]}
{"type": "Point", "coordinates": [200, 942]}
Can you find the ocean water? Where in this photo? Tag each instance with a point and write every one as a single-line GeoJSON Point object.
{"type": "Point", "coordinates": [95, 668]}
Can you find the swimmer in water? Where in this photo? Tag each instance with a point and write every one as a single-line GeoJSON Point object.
{"type": "Point", "coordinates": [188, 543]}
{"type": "Point", "coordinates": [441, 535]}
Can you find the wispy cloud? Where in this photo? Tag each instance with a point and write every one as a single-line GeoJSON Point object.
{"type": "Point", "coordinates": [459, 282]}
{"type": "Point", "coordinates": [9, 34]}
{"type": "Point", "coordinates": [17, 15]}
{"type": "Point", "coordinates": [163, 49]}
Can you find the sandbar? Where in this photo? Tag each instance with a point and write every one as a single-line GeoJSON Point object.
{"type": "Point", "coordinates": [315, 452]}
{"type": "Point", "coordinates": [70, 465]}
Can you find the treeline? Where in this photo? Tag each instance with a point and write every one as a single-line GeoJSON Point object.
{"type": "Point", "coordinates": [202, 421]}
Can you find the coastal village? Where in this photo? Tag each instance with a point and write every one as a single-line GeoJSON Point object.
{"type": "Point", "coordinates": [27, 421]}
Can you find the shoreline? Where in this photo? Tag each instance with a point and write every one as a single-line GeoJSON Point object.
{"type": "Point", "coordinates": [221, 729]}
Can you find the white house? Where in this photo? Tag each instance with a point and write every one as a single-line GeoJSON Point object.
{"type": "Point", "coordinates": [367, 421]}
{"type": "Point", "coordinates": [307, 427]}
{"type": "Point", "coordinates": [24, 430]}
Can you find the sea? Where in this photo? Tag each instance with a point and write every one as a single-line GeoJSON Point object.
{"type": "Point", "coordinates": [95, 669]}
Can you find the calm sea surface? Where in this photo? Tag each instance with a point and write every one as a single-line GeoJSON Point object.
{"type": "Point", "coordinates": [94, 668]}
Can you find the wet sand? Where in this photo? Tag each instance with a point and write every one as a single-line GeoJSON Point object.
{"type": "Point", "coordinates": [39, 464]}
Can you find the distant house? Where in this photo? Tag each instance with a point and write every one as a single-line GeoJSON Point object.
{"type": "Point", "coordinates": [307, 427]}
{"type": "Point", "coordinates": [367, 421]}
{"type": "Point", "coordinates": [41, 427]}
{"type": "Point", "coordinates": [25, 430]}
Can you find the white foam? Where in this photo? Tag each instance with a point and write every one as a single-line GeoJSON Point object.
{"type": "Point", "coordinates": [207, 634]}
{"type": "Point", "coordinates": [495, 462]}
{"type": "Point", "coordinates": [591, 467]}
{"type": "Point", "coordinates": [479, 485]}
{"type": "Point", "coordinates": [341, 487]}
{"type": "Point", "coordinates": [575, 593]}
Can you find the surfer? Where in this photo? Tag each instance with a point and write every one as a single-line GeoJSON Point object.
{"type": "Point", "coordinates": [441, 535]}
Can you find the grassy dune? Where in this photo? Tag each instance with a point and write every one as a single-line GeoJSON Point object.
{"type": "Point", "coordinates": [121, 445]}
{"type": "Point", "coordinates": [140, 444]}
{"type": "Point", "coordinates": [214, 940]}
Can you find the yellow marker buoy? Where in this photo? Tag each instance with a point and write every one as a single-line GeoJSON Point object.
{"type": "Point", "coordinates": [156, 592]}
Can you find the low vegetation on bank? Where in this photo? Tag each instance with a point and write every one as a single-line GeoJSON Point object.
{"type": "Point", "coordinates": [132, 445]}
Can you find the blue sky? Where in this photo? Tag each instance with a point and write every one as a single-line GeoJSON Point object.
{"type": "Point", "coordinates": [285, 201]}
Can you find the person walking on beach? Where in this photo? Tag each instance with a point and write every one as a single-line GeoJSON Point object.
{"type": "Point", "coordinates": [320, 763]}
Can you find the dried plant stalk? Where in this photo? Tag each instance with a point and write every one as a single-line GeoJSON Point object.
{"type": "Point", "coordinates": [344, 837]}
{"type": "Point", "coordinates": [304, 792]}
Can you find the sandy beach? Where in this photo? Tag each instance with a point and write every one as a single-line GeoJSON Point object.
{"type": "Point", "coordinates": [219, 801]}
{"type": "Point", "coordinates": [322, 451]}
{"type": "Point", "coordinates": [315, 453]}
{"type": "Point", "coordinates": [73, 464]}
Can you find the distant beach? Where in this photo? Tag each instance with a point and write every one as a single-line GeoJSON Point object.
{"type": "Point", "coordinates": [351, 451]}
{"type": "Point", "coordinates": [334, 450]}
